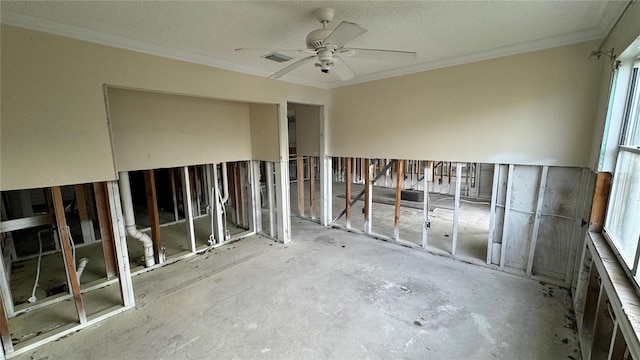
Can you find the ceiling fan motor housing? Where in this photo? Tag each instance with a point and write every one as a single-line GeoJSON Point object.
{"type": "Point", "coordinates": [315, 39]}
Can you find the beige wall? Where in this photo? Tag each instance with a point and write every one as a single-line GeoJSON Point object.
{"type": "Point", "coordinates": [264, 132]}
{"type": "Point", "coordinates": [153, 130]}
{"type": "Point", "coordinates": [53, 121]}
{"type": "Point", "coordinates": [534, 108]}
{"type": "Point", "coordinates": [307, 128]}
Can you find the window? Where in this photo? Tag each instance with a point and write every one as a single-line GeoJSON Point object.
{"type": "Point", "coordinates": [622, 225]}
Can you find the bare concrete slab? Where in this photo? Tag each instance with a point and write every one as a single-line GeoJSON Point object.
{"type": "Point", "coordinates": [329, 295]}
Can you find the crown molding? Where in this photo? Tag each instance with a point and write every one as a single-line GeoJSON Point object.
{"type": "Point", "coordinates": [568, 39]}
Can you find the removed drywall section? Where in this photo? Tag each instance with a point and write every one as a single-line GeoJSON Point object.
{"type": "Point", "coordinates": [264, 132]}
{"type": "Point", "coordinates": [307, 128]}
{"type": "Point", "coordinates": [536, 108]}
{"type": "Point", "coordinates": [152, 130]}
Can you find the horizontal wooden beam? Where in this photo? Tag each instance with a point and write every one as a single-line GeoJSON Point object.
{"type": "Point", "coordinates": [25, 223]}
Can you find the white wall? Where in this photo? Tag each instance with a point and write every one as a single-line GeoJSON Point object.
{"type": "Point", "coordinates": [54, 127]}
{"type": "Point", "coordinates": [153, 130]}
{"type": "Point", "coordinates": [307, 128]}
{"type": "Point", "coordinates": [534, 108]}
{"type": "Point", "coordinates": [264, 132]}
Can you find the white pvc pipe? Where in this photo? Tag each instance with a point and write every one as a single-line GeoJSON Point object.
{"type": "Point", "coordinates": [225, 184]}
{"type": "Point", "coordinates": [130, 220]}
{"type": "Point", "coordinates": [81, 265]}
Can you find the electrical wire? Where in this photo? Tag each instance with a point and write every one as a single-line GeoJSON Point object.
{"type": "Point", "coordinates": [35, 284]}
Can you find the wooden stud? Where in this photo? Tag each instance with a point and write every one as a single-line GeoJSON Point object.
{"type": "Point", "coordinates": [254, 202]}
{"type": "Point", "coordinates": [492, 212]}
{"type": "Point", "coordinates": [154, 217]}
{"type": "Point", "coordinates": [5, 335]}
{"type": "Point", "coordinates": [271, 198]}
{"type": "Point", "coordinates": [396, 214]}
{"type": "Point", "coordinates": [106, 232]}
{"type": "Point", "coordinates": [120, 244]}
{"type": "Point", "coordinates": [368, 197]}
{"type": "Point", "coordinates": [576, 232]}
{"type": "Point", "coordinates": [282, 200]}
{"type": "Point", "coordinates": [600, 200]}
{"type": "Point", "coordinates": [174, 196]}
{"type": "Point", "coordinates": [88, 233]}
{"type": "Point", "coordinates": [312, 186]}
{"type": "Point", "coordinates": [456, 209]}
{"type": "Point", "coordinates": [347, 194]}
{"type": "Point", "coordinates": [507, 208]}
{"type": "Point", "coordinates": [536, 220]}
{"type": "Point", "coordinates": [425, 204]}
{"type": "Point", "coordinates": [188, 209]}
{"type": "Point", "coordinates": [300, 185]}
{"type": "Point", "coordinates": [65, 241]}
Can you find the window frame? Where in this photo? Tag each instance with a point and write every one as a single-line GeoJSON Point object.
{"type": "Point", "coordinates": [626, 81]}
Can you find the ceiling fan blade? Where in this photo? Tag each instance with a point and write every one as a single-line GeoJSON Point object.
{"type": "Point", "coordinates": [385, 55]}
{"type": "Point", "coordinates": [343, 70]}
{"type": "Point", "coordinates": [291, 67]}
{"type": "Point", "coordinates": [344, 33]}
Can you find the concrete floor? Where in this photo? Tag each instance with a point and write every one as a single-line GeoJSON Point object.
{"type": "Point", "coordinates": [329, 294]}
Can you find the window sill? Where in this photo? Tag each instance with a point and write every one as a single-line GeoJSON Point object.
{"type": "Point", "coordinates": [624, 300]}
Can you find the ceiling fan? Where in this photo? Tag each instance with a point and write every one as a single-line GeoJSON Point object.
{"type": "Point", "coordinates": [329, 51]}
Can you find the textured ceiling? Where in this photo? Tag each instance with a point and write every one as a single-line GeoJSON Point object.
{"type": "Point", "coordinates": [441, 32]}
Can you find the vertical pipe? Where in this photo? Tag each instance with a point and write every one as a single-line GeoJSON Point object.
{"type": "Point", "coordinates": [396, 214]}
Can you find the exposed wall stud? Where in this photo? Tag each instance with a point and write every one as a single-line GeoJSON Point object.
{"type": "Point", "coordinates": [507, 208]}
{"type": "Point", "coordinates": [347, 195]}
{"type": "Point", "coordinates": [300, 168]}
{"type": "Point", "coordinates": [106, 230]}
{"type": "Point", "coordinates": [188, 210]}
{"type": "Point", "coordinates": [492, 212]}
{"type": "Point", "coordinates": [282, 200]}
{"type": "Point", "coordinates": [600, 200]}
{"type": "Point", "coordinates": [255, 218]}
{"type": "Point", "coordinates": [70, 265]}
{"type": "Point", "coordinates": [271, 198]}
{"type": "Point", "coordinates": [120, 242]}
{"type": "Point", "coordinates": [536, 220]}
{"type": "Point", "coordinates": [88, 233]}
{"type": "Point", "coordinates": [5, 335]}
{"type": "Point", "coordinates": [368, 192]}
{"type": "Point", "coordinates": [425, 203]}
{"type": "Point", "coordinates": [312, 186]}
{"type": "Point", "coordinates": [396, 214]}
{"type": "Point", "coordinates": [154, 217]}
{"type": "Point", "coordinates": [456, 209]}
